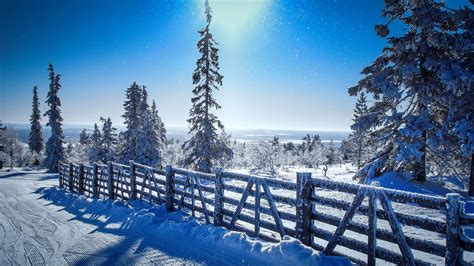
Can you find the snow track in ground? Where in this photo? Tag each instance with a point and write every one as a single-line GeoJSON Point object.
{"type": "Point", "coordinates": [43, 225]}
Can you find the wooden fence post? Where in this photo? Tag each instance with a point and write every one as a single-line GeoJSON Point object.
{"type": "Point", "coordinates": [71, 174]}
{"type": "Point", "coordinates": [95, 179]}
{"type": "Point", "coordinates": [257, 208]}
{"type": "Point", "coordinates": [169, 192]}
{"type": "Point", "coordinates": [453, 252]}
{"type": "Point", "coordinates": [81, 178]}
{"type": "Point", "coordinates": [218, 197]}
{"type": "Point", "coordinates": [133, 178]}
{"type": "Point", "coordinates": [61, 173]}
{"type": "Point", "coordinates": [303, 208]}
{"type": "Point", "coordinates": [372, 233]}
{"type": "Point", "coordinates": [110, 180]}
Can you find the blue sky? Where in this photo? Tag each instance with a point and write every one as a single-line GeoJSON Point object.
{"type": "Point", "coordinates": [286, 64]}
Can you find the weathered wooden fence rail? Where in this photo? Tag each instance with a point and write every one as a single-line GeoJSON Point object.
{"type": "Point", "coordinates": [307, 210]}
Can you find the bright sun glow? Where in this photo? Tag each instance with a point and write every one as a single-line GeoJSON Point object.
{"type": "Point", "coordinates": [234, 17]}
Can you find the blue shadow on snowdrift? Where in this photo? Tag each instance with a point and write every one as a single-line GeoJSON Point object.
{"type": "Point", "coordinates": [16, 174]}
{"type": "Point", "coordinates": [141, 227]}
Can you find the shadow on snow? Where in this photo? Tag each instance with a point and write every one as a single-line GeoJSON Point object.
{"type": "Point", "coordinates": [135, 223]}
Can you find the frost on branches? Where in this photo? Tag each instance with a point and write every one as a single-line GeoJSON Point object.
{"type": "Point", "coordinates": [205, 148]}
{"type": "Point", "coordinates": [312, 153]}
{"type": "Point", "coordinates": [421, 86]}
{"type": "Point", "coordinates": [54, 147]}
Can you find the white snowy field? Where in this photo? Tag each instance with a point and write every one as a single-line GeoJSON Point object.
{"type": "Point", "coordinates": [41, 224]}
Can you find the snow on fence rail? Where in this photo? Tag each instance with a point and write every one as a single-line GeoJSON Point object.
{"type": "Point", "coordinates": [308, 209]}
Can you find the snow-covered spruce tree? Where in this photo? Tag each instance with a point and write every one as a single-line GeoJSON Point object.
{"type": "Point", "coordinates": [149, 135]}
{"type": "Point", "coordinates": [54, 146]}
{"type": "Point", "coordinates": [69, 152]}
{"type": "Point", "coordinates": [225, 140]}
{"type": "Point", "coordinates": [331, 155]}
{"type": "Point", "coordinates": [108, 140]}
{"type": "Point", "coordinates": [35, 141]}
{"type": "Point", "coordinates": [405, 86]}
{"type": "Point", "coordinates": [358, 138]}
{"type": "Point", "coordinates": [84, 137]}
{"type": "Point", "coordinates": [95, 149]}
{"type": "Point", "coordinates": [132, 122]}
{"type": "Point", "coordinates": [205, 148]}
{"type": "Point", "coordinates": [159, 126]}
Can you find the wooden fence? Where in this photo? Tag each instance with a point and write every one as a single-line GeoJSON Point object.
{"type": "Point", "coordinates": [316, 211]}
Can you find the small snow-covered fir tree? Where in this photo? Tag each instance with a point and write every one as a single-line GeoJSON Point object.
{"type": "Point", "coordinates": [54, 146]}
{"type": "Point", "coordinates": [358, 138]}
{"type": "Point", "coordinates": [159, 126]}
{"type": "Point", "coordinates": [35, 141]}
{"type": "Point", "coordinates": [205, 148]}
{"type": "Point", "coordinates": [108, 140]}
{"type": "Point", "coordinates": [95, 149]}
{"type": "Point", "coordinates": [225, 140]}
{"type": "Point", "coordinates": [84, 137]}
{"type": "Point", "coordinates": [331, 156]}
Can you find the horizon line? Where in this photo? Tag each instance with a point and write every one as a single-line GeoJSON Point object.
{"type": "Point", "coordinates": [90, 125]}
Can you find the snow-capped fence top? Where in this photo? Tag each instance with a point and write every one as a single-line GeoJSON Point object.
{"type": "Point", "coordinates": [270, 208]}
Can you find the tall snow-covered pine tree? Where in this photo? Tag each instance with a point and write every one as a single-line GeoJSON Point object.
{"type": "Point", "coordinates": [54, 147]}
{"type": "Point", "coordinates": [205, 148]}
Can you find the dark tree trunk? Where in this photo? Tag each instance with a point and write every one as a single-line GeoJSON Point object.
{"type": "Point", "coordinates": [420, 166]}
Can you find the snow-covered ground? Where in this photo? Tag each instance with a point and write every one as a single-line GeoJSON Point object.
{"type": "Point", "coordinates": [41, 224]}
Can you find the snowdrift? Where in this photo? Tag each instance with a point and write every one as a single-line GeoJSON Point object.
{"type": "Point", "coordinates": [182, 231]}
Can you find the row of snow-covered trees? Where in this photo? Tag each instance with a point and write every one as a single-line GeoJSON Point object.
{"type": "Point", "coordinates": [144, 139]}
{"type": "Point", "coordinates": [268, 157]}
